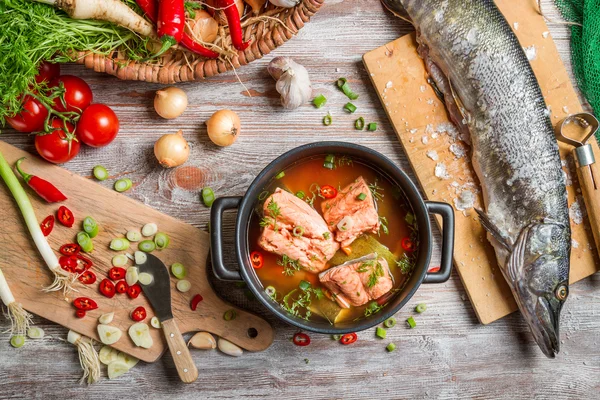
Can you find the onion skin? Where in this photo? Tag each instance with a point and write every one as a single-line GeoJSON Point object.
{"type": "Point", "coordinates": [170, 102]}
{"type": "Point", "coordinates": [223, 127]}
{"type": "Point", "coordinates": [204, 27]}
{"type": "Point", "coordinates": [172, 150]}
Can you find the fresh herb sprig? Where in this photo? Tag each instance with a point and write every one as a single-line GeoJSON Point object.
{"type": "Point", "coordinates": [289, 266]}
{"type": "Point", "coordinates": [299, 306]}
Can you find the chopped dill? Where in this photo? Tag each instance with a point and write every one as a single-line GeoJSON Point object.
{"type": "Point", "coordinates": [302, 301]}
{"type": "Point", "coordinates": [274, 211]}
{"type": "Point", "coordinates": [327, 235]}
{"type": "Point", "coordinates": [372, 308]}
{"type": "Point", "coordinates": [376, 273]}
{"type": "Point", "coordinates": [344, 160]}
{"type": "Point", "coordinates": [376, 191]}
{"type": "Point", "coordinates": [406, 264]}
{"type": "Point", "coordinates": [384, 225]}
{"type": "Point", "coordinates": [289, 266]}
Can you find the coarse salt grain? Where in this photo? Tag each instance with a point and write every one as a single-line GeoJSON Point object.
{"type": "Point", "coordinates": [433, 155]}
{"type": "Point", "coordinates": [441, 172]}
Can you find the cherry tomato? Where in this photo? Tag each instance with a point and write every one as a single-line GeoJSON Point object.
{"type": "Point", "coordinates": [47, 71]}
{"type": "Point", "coordinates": [31, 118]}
{"type": "Point", "coordinates": [134, 291]}
{"type": "Point", "coordinates": [98, 125]}
{"type": "Point", "coordinates": [80, 314]}
{"type": "Point", "coordinates": [57, 147]}
{"type": "Point", "coordinates": [83, 263]}
{"type": "Point", "coordinates": [107, 288]}
{"type": "Point", "coordinates": [121, 287]}
{"type": "Point", "coordinates": [195, 301]}
{"type": "Point", "coordinates": [328, 191]}
{"type": "Point", "coordinates": [68, 263]}
{"type": "Point", "coordinates": [257, 260]}
{"type": "Point", "coordinates": [69, 249]}
{"type": "Point", "coordinates": [301, 339]}
{"type": "Point", "coordinates": [65, 216]}
{"type": "Point", "coordinates": [77, 96]}
{"type": "Point", "coordinates": [47, 225]}
{"type": "Point", "coordinates": [85, 304]}
{"type": "Point", "coordinates": [87, 278]}
{"type": "Point", "coordinates": [139, 314]}
{"type": "Point", "coordinates": [348, 338]}
{"type": "Point", "coordinates": [408, 245]}
{"type": "Point", "coordinates": [116, 273]}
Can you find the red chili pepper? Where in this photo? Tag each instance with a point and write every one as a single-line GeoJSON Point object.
{"type": "Point", "coordinates": [80, 314]}
{"type": "Point", "coordinates": [348, 338]}
{"type": "Point", "coordinates": [257, 260]}
{"type": "Point", "coordinates": [85, 304]}
{"type": "Point", "coordinates": [170, 24]}
{"type": "Point", "coordinates": [195, 300]}
{"type": "Point", "coordinates": [65, 216]}
{"type": "Point", "coordinates": [47, 225]}
{"type": "Point", "coordinates": [121, 287]}
{"type": "Point", "coordinates": [43, 188]}
{"type": "Point", "coordinates": [83, 263]}
{"type": "Point", "coordinates": [134, 291]}
{"type": "Point", "coordinates": [68, 263]}
{"type": "Point", "coordinates": [87, 278]}
{"type": "Point", "coordinates": [117, 273]}
{"type": "Point", "coordinates": [107, 288]}
{"type": "Point", "coordinates": [233, 20]}
{"type": "Point", "coordinates": [328, 191]}
{"type": "Point", "coordinates": [301, 339]}
{"type": "Point", "coordinates": [434, 269]}
{"type": "Point", "coordinates": [139, 314]}
{"type": "Point", "coordinates": [408, 245]}
{"type": "Point", "coordinates": [69, 249]}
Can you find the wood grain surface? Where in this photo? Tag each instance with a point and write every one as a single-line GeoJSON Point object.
{"type": "Point", "coordinates": [421, 124]}
{"type": "Point", "coordinates": [448, 355]}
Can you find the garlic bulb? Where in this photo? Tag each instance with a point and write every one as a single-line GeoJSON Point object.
{"type": "Point", "coordinates": [293, 82]}
{"type": "Point", "coordinates": [285, 3]}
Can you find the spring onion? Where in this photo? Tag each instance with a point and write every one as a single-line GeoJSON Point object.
{"type": "Point", "coordinates": [149, 229]}
{"type": "Point", "coordinates": [145, 278]}
{"type": "Point", "coordinates": [329, 161]}
{"type": "Point", "coordinates": [381, 333]}
{"type": "Point", "coordinates": [62, 279]}
{"type": "Point", "coordinates": [319, 101]}
{"type": "Point", "coordinates": [304, 285]}
{"type": "Point", "coordinates": [390, 322]}
{"type": "Point", "coordinates": [132, 276]}
{"type": "Point", "coordinates": [208, 196]}
{"type": "Point", "coordinates": [421, 308]}
{"type": "Point", "coordinates": [147, 246]}
{"type": "Point", "coordinates": [184, 285]}
{"type": "Point", "coordinates": [133, 236]}
{"type": "Point", "coordinates": [411, 322]}
{"type": "Point", "coordinates": [161, 240]}
{"type": "Point", "coordinates": [300, 194]}
{"type": "Point", "coordinates": [372, 126]}
{"type": "Point", "coordinates": [35, 333]}
{"type": "Point", "coordinates": [342, 84]}
{"type": "Point", "coordinates": [263, 195]}
{"type": "Point", "coordinates": [90, 226]}
{"type": "Point", "coordinates": [120, 260]}
{"type": "Point", "coordinates": [100, 173]}
{"type": "Point", "coordinates": [349, 107]}
{"type": "Point", "coordinates": [140, 258]}
{"type": "Point", "coordinates": [178, 271]}
{"type": "Point", "coordinates": [123, 185]}
{"type": "Point", "coordinates": [17, 341]}
{"type": "Point", "coordinates": [85, 242]}
{"type": "Point", "coordinates": [271, 291]}
{"type": "Point", "coordinates": [18, 317]}
{"type": "Point", "coordinates": [119, 244]}
{"type": "Point", "coordinates": [361, 197]}
{"type": "Point", "coordinates": [298, 231]}
{"type": "Point", "coordinates": [359, 124]}
{"type": "Point", "coordinates": [229, 315]}
{"type": "Point", "coordinates": [327, 120]}
{"type": "Point", "coordinates": [88, 357]}
{"type": "Point", "coordinates": [336, 337]}
{"type": "Point", "coordinates": [155, 322]}
{"type": "Point", "coordinates": [390, 347]}
{"type": "Point", "coordinates": [280, 175]}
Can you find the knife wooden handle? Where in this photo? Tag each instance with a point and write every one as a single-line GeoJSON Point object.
{"type": "Point", "coordinates": [589, 180]}
{"type": "Point", "coordinates": [186, 368]}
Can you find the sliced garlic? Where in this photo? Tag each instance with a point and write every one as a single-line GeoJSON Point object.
{"type": "Point", "coordinates": [116, 369]}
{"type": "Point", "coordinates": [155, 322]}
{"type": "Point", "coordinates": [131, 276]}
{"type": "Point", "coordinates": [106, 318]}
{"type": "Point", "coordinates": [140, 257]}
{"type": "Point", "coordinates": [229, 348]}
{"type": "Point", "coordinates": [107, 355]}
{"type": "Point", "coordinates": [128, 360]}
{"type": "Point", "coordinates": [109, 334]}
{"type": "Point", "coordinates": [140, 334]}
{"type": "Point", "coordinates": [203, 340]}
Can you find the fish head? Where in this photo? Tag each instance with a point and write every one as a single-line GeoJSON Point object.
{"type": "Point", "coordinates": [542, 284]}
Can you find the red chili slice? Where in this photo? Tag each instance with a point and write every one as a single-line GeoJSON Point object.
{"type": "Point", "coordinates": [121, 287]}
{"type": "Point", "coordinates": [66, 217]}
{"type": "Point", "coordinates": [85, 304]}
{"type": "Point", "coordinates": [47, 225]}
{"type": "Point", "coordinates": [434, 269]}
{"type": "Point", "coordinates": [195, 301]}
{"type": "Point", "coordinates": [117, 273]}
{"type": "Point", "coordinates": [83, 263]}
{"type": "Point", "coordinates": [328, 191]}
{"type": "Point", "coordinates": [80, 313]}
{"type": "Point", "coordinates": [301, 339]}
{"type": "Point", "coordinates": [87, 278]}
{"type": "Point", "coordinates": [69, 249]}
{"type": "Point", "coordinates": [257, 260]}
{"type": "Point", "coordinates": [348, 338]}
{"type": "Point", "coordinates": [107, 288]}
{"type": "Point", "coordinates": [68, 263]}
{"type": "Point", "coordinates": [134, 291]}
{"type": "Point", "coordinates": [139, 314]}
{"type": "Point", "coordinates": [408, 245]}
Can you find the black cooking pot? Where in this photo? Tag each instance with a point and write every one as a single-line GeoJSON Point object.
{"type": "Point", "coordinates": [246, 205]}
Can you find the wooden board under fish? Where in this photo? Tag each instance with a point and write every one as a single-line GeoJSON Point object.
{"type": "Point", "coordinates": [421, 123]}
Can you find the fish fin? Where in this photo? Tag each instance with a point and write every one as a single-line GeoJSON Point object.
{"type": "Point", "coordinates": [515, 260]}
{"type": "Point", "coordinates": [459, 104]}
{"type": "Point", "coordinates": [396, 8]}
{"type": "Point", "coordinates": [491, 228]}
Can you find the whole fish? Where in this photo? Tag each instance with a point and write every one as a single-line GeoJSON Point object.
{"type": "Point", "coordinates": [491, 93]}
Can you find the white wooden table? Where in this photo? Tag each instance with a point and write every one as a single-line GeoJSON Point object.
{"type": "Point", "coordinates": [448, 355]}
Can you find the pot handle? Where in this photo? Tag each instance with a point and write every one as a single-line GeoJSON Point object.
{"type": "Point", "coordinates": [447, 213]}
{"type": "Point", "coordinates": [216, 240]}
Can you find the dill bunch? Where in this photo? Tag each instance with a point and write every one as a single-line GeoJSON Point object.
{"type": "Point", "coordinates": [33, 32]}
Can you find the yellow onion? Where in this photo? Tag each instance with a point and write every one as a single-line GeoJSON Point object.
{"type": "Point", "coordinates": [170, 102]}
{"type": "Point", "coordinates": [257, 5]}
{"type": "Point", "coordinates": [223, 127]}
{"type": "Point", "coordinates": [172, 150]}
{"type": "Point", "coordinates": [204, 27]}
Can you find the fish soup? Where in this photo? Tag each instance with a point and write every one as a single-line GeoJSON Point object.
{"type": "Point", "coordinates": [333, 239]}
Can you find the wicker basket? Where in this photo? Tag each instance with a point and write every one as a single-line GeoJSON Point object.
{"type": "Point", "coordinates": [180, 66]}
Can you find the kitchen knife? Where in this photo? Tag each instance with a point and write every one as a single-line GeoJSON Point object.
{"type": "Point", "coordinates": [158, 293]}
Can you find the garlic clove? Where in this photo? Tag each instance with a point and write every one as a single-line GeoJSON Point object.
{"type": "Point", "coordinates": [229, 348]}
{"type": "Point", "coordinates": [203, 340]}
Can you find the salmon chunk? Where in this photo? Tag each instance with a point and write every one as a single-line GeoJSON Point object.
{"type": "Point", "coordinates": [295, 229]}
{"type": "Point", "coordinates": [351, 213]}
{"type": "Point", "coordinates": [359, 281]}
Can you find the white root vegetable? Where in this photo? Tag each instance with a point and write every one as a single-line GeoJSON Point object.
{"type": "Point", "coordinates": [88, 358]}
{"type": "Point", "coordinates": [203, 340]}
{"type": "Point", "coordinates": [16, 314]}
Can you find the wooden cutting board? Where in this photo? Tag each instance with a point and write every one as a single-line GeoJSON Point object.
{"type": "Point", "coordinates": [116, 214]}
{"type": "Point", "coordinates": [415, 112]}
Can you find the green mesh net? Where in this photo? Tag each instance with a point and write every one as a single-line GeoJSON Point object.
{"type": "Point", "coordinates": [585, 45]}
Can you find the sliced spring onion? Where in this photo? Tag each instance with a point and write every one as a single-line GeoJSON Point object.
{"type": "Point", "coordinates": [359, 124]}
{"type": "Point", "coordinates": [298, 231]}
{"type": "Point", "coordinates": [147, 246]}
{"type": "Point", "coordinates": [390, 347]}
{"type": "Point", "coordinates": [361, 197]}
{"type": "Point", "coordinates": [390, 322]}
{"type": "Point", "coordinates": [184, 285]}
{"type": "Point", "coordinates": [130, 256]}
{"type": "Point", "coordinates": [208, 196]}
{"type": "Point", "coordinates": [351, 108]}
{"type": "Point", "coordinates": [100, 173]}
{"type": "Point", "coordinates": [120, 260]}
{"type": "Point", "coordinates": [132, 276]}
{"type": "Point", "coordinates": [35, 333]}
{"type": "Point", "coordinates": [280, 175]}
{"type": "Point", "coordinates": [328, 165]}
{"type": "Point", "coordinates": [134, 236]}
{"type": "Point", "coordinates": [263, 195]}
{"type": "Point", "coordinates": [229, 315]}
{"type": "Point", "coordinates": [300, 194]}
{"type": "Point", "coordinates": [123, 185]}
{"type": "Point", "coordinates": [178, 271]}
{"type": "Point", "coordinates": [90, 226]}
{"type": "Point", "coordinates": [149, 229]}
{"type": "Point", "coordinates": [319, 101]}
{"type": "Point", "coordinates": [161, 240]}
{"type": "Point", "coordinates": [411, 322]}
{"type": "Point", "coordinates": [381, 333]}
{"type": "Point", "coordinates": [372, 126]}
{"type": "Point", "coordinates": [85, 242]}
{"type": "Point", "coordinates": [155, 322]}
{"type": "Point", "coordinates": [330, 158]}
{"type": "Point", "coordinates": [17, 341]}
{"type": "Point", "coordinates": [342, 84]}
{"type": "Point", "coordinates": [336, 337]}
{"type": "Point", "coordinates": [145, 278]}
{"type": "Point", "coordinates": [327, 120]}
{"type": "Point", "coordinates": [421, 308]}
{"type": "Point", "coordinates": [119, 244]}
{"type": "Point", "coordinates": [140, 258]}
{"type": "Point", "coordinates": [304, 285]}
{"type": "Point", "coordinates": [270, 291]}
{"type": "Point", "coordinates": [410, 218]}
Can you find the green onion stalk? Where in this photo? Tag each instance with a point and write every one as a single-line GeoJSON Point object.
{"type": "Point", "coordinates": [62, 279]}
{"type": "Point", "coordinates": [16, 314]}
{"type": "Point", "coordinates": [88, 357]}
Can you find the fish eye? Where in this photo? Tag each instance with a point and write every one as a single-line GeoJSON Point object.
{"type": "Point", "coordinates": [562, 292]}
